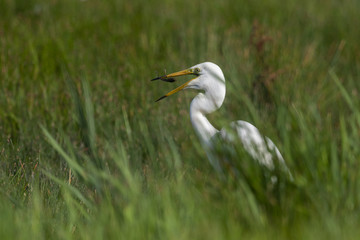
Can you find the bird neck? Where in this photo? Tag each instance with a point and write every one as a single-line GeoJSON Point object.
{"type": "Point", "coordinates": [201, 105]}
{"type": "Point", "coordinates": [205, 103]}
{"type": "Point", "coordinates": [204, 129]}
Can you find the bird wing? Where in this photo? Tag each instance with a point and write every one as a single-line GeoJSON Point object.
{"type": "Point", "coordinates": [259, 147]}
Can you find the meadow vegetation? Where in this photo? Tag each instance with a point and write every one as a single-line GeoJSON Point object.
{"type": "Point", "coordinates": [86, 153]}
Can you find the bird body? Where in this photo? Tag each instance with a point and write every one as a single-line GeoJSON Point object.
{"type": "Point", "coordinates": [210, 79]}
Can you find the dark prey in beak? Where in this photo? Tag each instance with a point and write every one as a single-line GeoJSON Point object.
{"type": "Point", "coordinates": [163, 78]}
{"type": "Point", "coordinates": [161, 98]}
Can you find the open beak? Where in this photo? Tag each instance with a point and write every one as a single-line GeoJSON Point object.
{"type": "Point", "coordinates": [170, 78]}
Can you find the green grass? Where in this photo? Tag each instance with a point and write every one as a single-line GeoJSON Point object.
{"type": "Point", "coordinates": [86, 153]}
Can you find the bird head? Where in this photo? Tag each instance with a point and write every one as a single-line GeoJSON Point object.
{"type": "Point", "coordinates": [207, 76]}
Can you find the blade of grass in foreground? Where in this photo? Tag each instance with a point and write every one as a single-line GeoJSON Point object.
{"type": "Point", "coordinates": [74, 191]}
{"type": "Point", "coordinates": [73, 163]}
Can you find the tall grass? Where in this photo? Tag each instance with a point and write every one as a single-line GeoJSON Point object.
{"type": "Point", "coordinates": [86, 153]}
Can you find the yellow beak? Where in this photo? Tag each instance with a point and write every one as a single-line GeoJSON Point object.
{"type": "Point", "coordinates": [169, 79]}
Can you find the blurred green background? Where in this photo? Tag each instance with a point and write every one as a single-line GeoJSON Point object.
{"type": "Point", "coordinates": [86, 153]}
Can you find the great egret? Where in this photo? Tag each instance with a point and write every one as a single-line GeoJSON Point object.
{"type": "Point", "coordinates": [210, 79]}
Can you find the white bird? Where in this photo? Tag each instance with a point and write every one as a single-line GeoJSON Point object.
{"type": "Point", "coordinates": [210, 79]}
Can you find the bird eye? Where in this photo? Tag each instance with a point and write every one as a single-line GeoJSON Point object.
{"type": "Point", "coordinates": [197, 70]}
